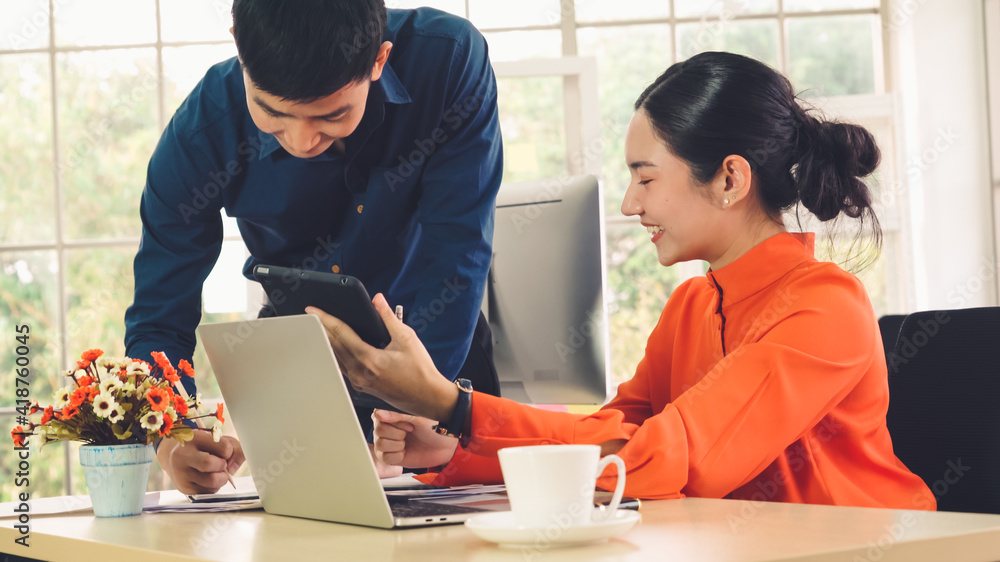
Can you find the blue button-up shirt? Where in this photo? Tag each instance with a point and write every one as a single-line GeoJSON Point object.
{"type": "Point", "coordinates": [407, 207]}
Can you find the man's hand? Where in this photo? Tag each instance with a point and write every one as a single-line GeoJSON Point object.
{"type": "Point", "coordinates": [405, 440]}
{"type": "Point", "coordinates": [200, 466]}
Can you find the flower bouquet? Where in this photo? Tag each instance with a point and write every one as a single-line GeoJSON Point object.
{"type": "Point", "coordinates": [118, 407]}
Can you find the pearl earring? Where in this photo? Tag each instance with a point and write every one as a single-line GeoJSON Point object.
{"type": "Point", "coordinates": [725, 201]}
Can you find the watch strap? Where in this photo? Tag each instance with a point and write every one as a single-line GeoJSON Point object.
{"type": "Point", "coordinates": [456, 425]}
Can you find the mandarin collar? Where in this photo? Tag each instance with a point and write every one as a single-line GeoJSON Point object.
{"type": "Point", "coordinates": [764, 264]}
{"type": "Point", "coordinates": [387, 89]}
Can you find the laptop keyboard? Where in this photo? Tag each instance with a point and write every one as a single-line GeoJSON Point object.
{"type": "Point", "coordinates": [428, 509]}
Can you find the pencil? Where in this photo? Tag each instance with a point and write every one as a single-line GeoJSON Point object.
{"type": "Point", "coordinates": [183, 392]}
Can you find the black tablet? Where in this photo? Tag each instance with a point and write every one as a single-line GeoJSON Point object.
{"type": "Point", "coordinates": [291, 290]}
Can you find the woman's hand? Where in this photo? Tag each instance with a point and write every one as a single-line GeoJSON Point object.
{"type": "Point", "coordinates": [410, 441]}
{"type": "Point", "coordinates": [402, 374]}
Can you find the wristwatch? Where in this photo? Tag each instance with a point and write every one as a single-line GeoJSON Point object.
{"type": "Point", "coordinates": [456, 426]}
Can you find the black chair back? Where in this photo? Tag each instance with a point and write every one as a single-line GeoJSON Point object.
{"type": "Point", "coordinates": [889, 326]}
{"type": "Point", "coordinates": [944, 405]}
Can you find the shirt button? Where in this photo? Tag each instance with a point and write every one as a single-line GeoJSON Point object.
{"type": "Point", "coordinates": [360, 208]}
{"type": "Point", "coordinates": [335, 269]}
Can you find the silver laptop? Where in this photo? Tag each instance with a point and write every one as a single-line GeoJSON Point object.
{"type": "Point", "coordinates": [302, 440]}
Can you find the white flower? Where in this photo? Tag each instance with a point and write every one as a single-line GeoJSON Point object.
{"type": "Point", "coordinates": [108, 364]}
{"type": "Point", "coordinates": [137, 368]}
{"type": "Point", "coordinates": [116, 415]}
{"type": "Point", "coordinates": [152, 421]}
{"type": "Point", "coordinates": [170, 412]}
{"type": "Point", "coordinates": [35, 441]}
{"type": "Point", "coordinates": [109, 385]}
{"type": "Point", "coordinates": [217, 432]}
{"type": "Point", "coordinates": [126, 389]}
{"type": "Point", "coordinates": [61, 397]}
{"type": "Point", "coordinates": [197, 401]}
{"type": "Point", "coordinates": [104, 405]}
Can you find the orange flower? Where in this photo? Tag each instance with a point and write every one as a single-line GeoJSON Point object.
{"type": "Point", "coordinates": [92, 392]}
{"type": "Point", "coordinates": [83, 364]}
{"type": "Point", "coordinates": [168, 424]}
{"type": "Point", "coordinates": [91, 355]}
{"type": "Point", "coordinates": [79, 396]}
{"type": "Point", "coordinates": [180, 405]}
{"type": "Point", "coordinates": [218, 413]}
{"type": "Point", "coordinates": [35, 408]}
{"type": "Point", "coordinates": [161, 359]}
{"type": "Point", "coordinates": [68, 412]}
{"type": "Point", "coordinates": [170, 374]}
{"type": "Point", "coordinates": [186, 368]}
{"type": "Point", "coordinates": [158, 399]}
{"type": "Point", "coordinates": [20, 435]}
{"type": "Point", "coordinates": [84, 380]}
{"type": "Point", "coordinates": [47, 415]}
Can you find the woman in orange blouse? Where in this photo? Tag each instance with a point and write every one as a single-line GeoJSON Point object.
{"type": "Point", "coordinates": [763, 380]}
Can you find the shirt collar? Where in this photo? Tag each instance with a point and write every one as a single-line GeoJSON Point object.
{"type": "Point", "coordinates": [387, 89]}
{"type": "Point", "coordinates": [764, 264]}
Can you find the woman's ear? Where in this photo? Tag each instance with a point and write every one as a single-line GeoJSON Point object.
{"type": "Point", "coordinates": [734, 180]}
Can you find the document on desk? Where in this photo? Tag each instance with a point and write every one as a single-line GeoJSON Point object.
{"type": "Point", "coordinates": [438, 492]}
{"type": "Point", "coordinates": [63, 504]}
{"type": "Point", "coordinates": [165, 501]}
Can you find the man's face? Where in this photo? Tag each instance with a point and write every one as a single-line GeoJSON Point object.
{"type": "Point", "coordinates": [306, 130]}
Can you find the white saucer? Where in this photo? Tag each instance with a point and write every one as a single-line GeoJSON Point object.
{"type": "Point", "coordinates": [500, 528]}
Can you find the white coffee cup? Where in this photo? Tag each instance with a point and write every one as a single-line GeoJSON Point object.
{"type": "Point", "coordinates": [554, 484]}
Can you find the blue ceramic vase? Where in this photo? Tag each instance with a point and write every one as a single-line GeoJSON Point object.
{"type": "Point", "coordinates": [116, 477]}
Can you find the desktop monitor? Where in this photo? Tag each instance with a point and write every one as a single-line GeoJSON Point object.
{"type": "Point", "coordinates": [545, 292]}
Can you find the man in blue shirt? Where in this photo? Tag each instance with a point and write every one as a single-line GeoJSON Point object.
{"type": "Point", "coordinates": [342, 140]}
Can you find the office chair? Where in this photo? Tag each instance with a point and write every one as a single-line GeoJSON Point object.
{"type": "Point", "coordinates": [944, 405]}
{"type": "Point", "coordinates": [889, 326]}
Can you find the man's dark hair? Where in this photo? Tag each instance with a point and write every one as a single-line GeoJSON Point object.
{"type": "Point", "coordinates": [303, 50]}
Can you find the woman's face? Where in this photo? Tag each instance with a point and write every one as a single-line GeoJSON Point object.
{"type": "Point", "coordinates": [677, 211]}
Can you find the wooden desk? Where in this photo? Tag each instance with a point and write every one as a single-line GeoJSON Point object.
{"type": "Point", "coordinates": [685, 529]}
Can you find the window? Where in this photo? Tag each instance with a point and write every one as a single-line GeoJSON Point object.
{"type": "Point", "coordinates": [86, 97]}
{"type": "Point", "coordinates": [831, 50]}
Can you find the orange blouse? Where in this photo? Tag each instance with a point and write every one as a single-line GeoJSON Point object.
{"type": "Point", "coordinates": [764, 380]}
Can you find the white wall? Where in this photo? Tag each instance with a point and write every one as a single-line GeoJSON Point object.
{"type": "Point", "coordinates": [939, 63]}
